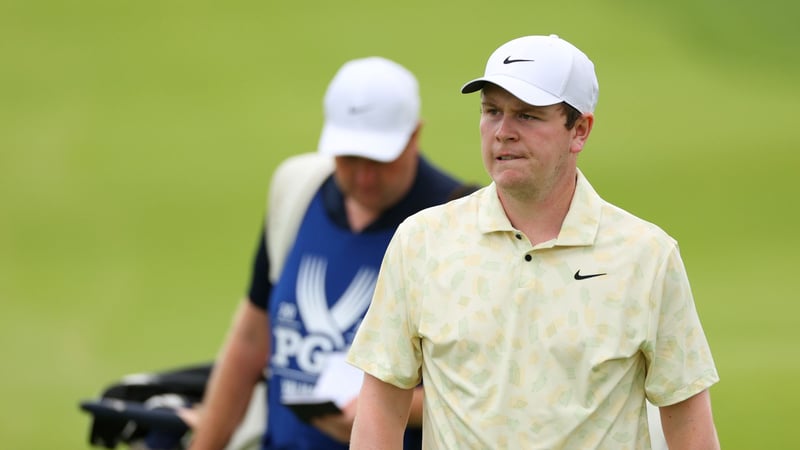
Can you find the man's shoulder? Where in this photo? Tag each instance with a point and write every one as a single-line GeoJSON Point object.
{"type": "Point", "coordinates": [304, 162]}
{"type": "Point", "coordinates": [619, 221]}
{"type": "Point", "coordinates": [619, 224]}
{"type": "Point", "coordinates": [435, 181]}
{"type": "Point", "coordinates": [299, 176]}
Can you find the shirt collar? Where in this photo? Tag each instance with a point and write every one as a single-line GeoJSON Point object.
{"type": "Point", "coordinates": [580, 224]}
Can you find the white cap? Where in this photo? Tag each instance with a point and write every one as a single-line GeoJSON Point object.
{"type": "Point", "coordinates": [541, 71]}
{"type": "Point", "coordinates": [371, 109]}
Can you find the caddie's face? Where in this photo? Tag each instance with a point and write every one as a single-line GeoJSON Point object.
{"type": "Point", "coordinates": [527, 150]}
{"type": "Point", "coordinates": [374, 185]}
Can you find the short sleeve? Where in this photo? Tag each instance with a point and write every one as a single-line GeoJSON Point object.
{"type": "Point", "coordinates": [679, 359]}
{"type": "Point", "coordinates": [260, 286]}
{"type": "Point", "coordinates": [387, 345]}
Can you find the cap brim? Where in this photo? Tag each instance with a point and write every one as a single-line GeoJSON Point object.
{"type": "Point", "coordinates": [378, 146]}
{"type": "Point", "coordinates": [522, 90]}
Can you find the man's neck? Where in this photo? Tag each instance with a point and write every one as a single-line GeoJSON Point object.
{"type": "Point", "coordinates": [358, 216]}
{"type": "Point", "coordinates": [539, 217]}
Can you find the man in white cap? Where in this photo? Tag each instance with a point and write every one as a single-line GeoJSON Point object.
{"type": "Point", "coordinates": [330, 217]}
{"type": "Point", "coordinates": [539, 315]}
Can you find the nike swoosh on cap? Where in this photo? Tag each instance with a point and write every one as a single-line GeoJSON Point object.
{"type": "Point", "coordinates": [359, 109]}
{"type": "Point", "coordinates": [508, 60]}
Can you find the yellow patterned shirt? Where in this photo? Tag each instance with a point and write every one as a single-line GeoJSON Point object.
{"type": "Point", "coordinates": [553, 346]}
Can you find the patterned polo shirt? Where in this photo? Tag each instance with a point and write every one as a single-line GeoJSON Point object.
{"type": "Point", "coordinates": [536, 347]}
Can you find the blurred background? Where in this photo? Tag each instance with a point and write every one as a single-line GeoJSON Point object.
{"type": "Point", "coordinates": [137, 139]}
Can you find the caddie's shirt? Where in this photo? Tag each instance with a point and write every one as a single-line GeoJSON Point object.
{"type": "Point", "coordinates": [325, 287]}
{"type": "Point", "coordinates": [535, 347]}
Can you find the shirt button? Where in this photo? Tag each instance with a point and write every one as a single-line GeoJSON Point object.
{"type": "Point", "coordinates": [528, 257]}
{"type": "Point", "coordinates": [519, 236]}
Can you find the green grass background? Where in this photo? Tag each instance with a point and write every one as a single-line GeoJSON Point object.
{"type": "Point", "coordinates": [137, 139]}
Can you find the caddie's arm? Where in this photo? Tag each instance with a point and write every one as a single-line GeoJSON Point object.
{"type": "Point", "coordinates": [689, 425]}
{"type": "Point", "coordinates": [236, 371]}
{"type": "Point", "coordinates": [415, 412]}
{"type": "Point", "coordinates": [383, 411]}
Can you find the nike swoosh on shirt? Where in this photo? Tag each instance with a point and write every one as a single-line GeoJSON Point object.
{"type": "Point", "coordinates": [578, 275]}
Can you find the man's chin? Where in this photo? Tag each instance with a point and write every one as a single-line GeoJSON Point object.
{"type": "Point", "coordinates": [371, 203]}
{"type": "Point", "coordinates": [511, 179]}
{"type": "Point", "coordinates": [515, 186]}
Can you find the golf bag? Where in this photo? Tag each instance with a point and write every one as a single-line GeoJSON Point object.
{"type": "Point", "coordinates": [140, 411]}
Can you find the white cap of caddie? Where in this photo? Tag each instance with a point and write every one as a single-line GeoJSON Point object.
{"type": "Point", "coordinates": [372, 107]}
{"type": "Point", "coordinates": [541, 71]}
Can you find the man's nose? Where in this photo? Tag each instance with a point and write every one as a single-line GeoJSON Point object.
{"type": "Point", "coordinates": [506, 129]}
{"type": "Point", "coordinates": [367, 172]}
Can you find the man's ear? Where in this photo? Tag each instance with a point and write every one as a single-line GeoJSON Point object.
{"type": "Point", "coordinates": [413, 141]}
{"type": "Point", "coordinates": [581, 130]}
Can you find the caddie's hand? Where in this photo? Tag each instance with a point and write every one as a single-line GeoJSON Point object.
{"type": "Point", "coordinates": [190, 416]}
{"type": "Point", "coordinates": [338, 426]}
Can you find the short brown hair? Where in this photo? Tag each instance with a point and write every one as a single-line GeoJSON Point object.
{"type": "Point", "coordinates": [572, 114]}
